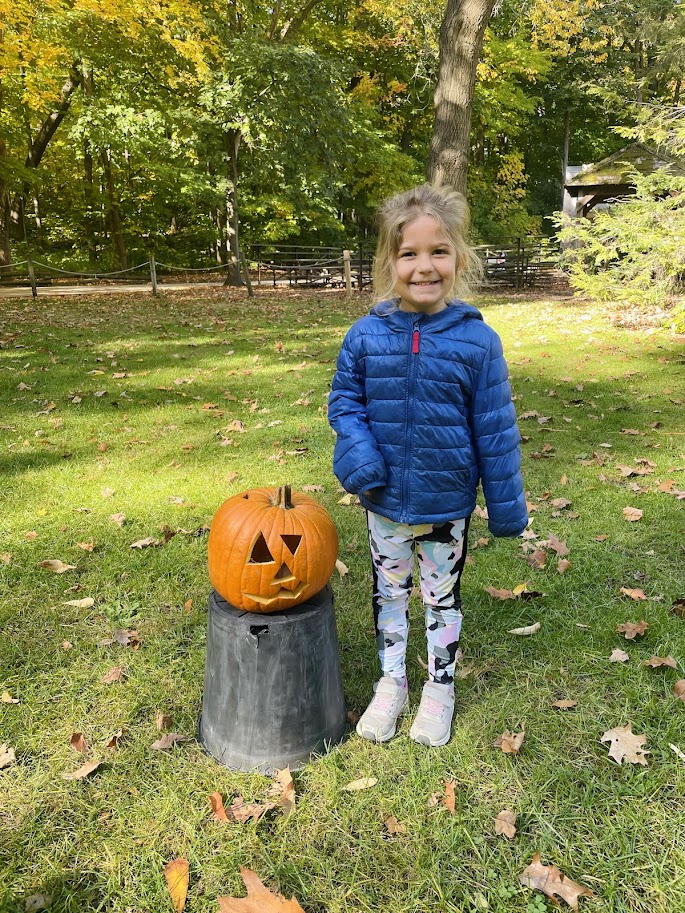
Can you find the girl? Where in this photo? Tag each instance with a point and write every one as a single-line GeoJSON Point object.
{"type": "Point", "coordinates": [422, 410]}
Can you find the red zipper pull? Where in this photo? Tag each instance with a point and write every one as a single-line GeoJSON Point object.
{"type": "Point", "coordinates": [415, 343]}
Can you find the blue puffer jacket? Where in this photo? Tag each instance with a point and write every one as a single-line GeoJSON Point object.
{"type": "Point", "coordinates": [422, 409]}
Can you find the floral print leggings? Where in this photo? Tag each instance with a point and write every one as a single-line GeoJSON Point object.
{"type": "Point", "coordinates": [441, 550]}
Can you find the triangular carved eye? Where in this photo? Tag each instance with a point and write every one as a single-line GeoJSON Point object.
{"type": "Point", "coordinates": [284, 573]}
{"type": "Point", "coordinates": [260, 552]}
{"type": "Point", "coordinates": [292, 542]}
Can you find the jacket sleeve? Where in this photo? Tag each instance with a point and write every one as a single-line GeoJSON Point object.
{"type": "Point", "coordinates": [497, 439]}
{"type": "Point", "coordinates": [357, 460]}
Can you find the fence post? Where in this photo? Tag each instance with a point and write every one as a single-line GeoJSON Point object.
{"type": "Point", "coordinates": [519, 265]}
{"type": "Point", "coordinates": [347, 267]}
{"type": "Point", "coordinates": [32, 277]}
{"type": "Point", "coordinates": [153, 274]}
{"type": "Point", "coordinates": [246, 273]}
{"type": "Point", "coordinates": [361, 268]}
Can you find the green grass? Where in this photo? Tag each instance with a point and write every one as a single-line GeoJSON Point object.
{"type": "Point", "coordinates": [102, 843]}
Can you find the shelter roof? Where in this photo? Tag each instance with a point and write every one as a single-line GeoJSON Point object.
{"type": "Point", "coordinates": [615, 169]}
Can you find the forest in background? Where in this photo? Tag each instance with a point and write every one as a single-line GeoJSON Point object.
{"type": "Point", "coordinates": [130, 126]}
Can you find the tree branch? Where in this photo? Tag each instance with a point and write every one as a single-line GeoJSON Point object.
{"type": "Point", "coordinates": [53, 120]}
{"type": "Point", "coordinates": [292, 26]}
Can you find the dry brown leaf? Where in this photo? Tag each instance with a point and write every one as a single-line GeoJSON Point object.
{"type": "Point", "coordinates": [57, 566]}
{"type": "Point", "coordinates": [563, 564]}
{"type": "Point", "coordinates": [635, 594]}
{"type": "Point", "coordinates": [218, 810]}
{"type": "Point", "coordinates": [119, 519]}
{"type": "Point", "coordinates": [149, 542]}
{"type": "Point", "coordinates": [632, 514]}
{"type": "Point", "coordinates": [522, 592]}
{"type": "Point", "coordinates": [556, 544]}
{"type": "Point", "coordinates": [527, 631]}
{"type": "Point", "coordinates": [631, 630]}
{"type": "Point", "coordinates": [259, 899]}
{"type": "Point", "coordinates": [241, 811]}
{"type": "Point", "coordinates": [363, 783]}
{"type": "Point", "coordinates": [538, 559]}
{"type": "Point", "coordinates": [78, 743]}
{"type": "Point", "coordinates": [625, 745]}
{"type": "Point", "coordinates": [656, 661]}
{"type": "Point", "coordinates": [6, 557]}
{"type": "Point", "coordinates": [619, 656]}
{"type": "Point", "coordinates": [7, 756]}
{"type": "Point", "coordinates": [449, 797]}
{"type": "Point", "coordinates": [678, 690]}
{"type": "Point", "coordinates": [36, 902]}
{"type": "Point", "coordinates": [564, 704]}
{"type": "Point", "coordinates": [84, 603]}
{"type": "Point", "coordinates": [678, 608]}
{"type": "Point", "coordinates": [313, 488]}
{"type": "Point", "coordinates": [341, 568]}
{"type": "Point", "coordinates": [115, 674]}
{"type": "Point", "coordinates": [602, 538]}
{"type": "Point", "coordinates": [162, 720]}
{"type": "Point", "coordinates": [6, 698]}
{"type": "Point", "coordinates": [393, 826]}
{"type": "Point", "coordinates": [85, 546]}
{"type": "Point", "coordinates": [83, 771]}
{"type": "Point", "coordinates": [560, 503]}
{"type": "Point", "coordinates": [505, 824]}
{"type": "Point", "coordinates": [499, 594]}
{"type": "Point", "coordinates": [284, 788]}
{"type": "Point", "coordinates": [177, 874]}
{"type": "Point", "coordinates": [168, 740]}
{"type": "Point", "coordinates": [552, 882]}
{"type": "Point", "coordinates": [510, 742]}
{"type": "Point", "coordinates": [348, 500]}
{"type": "Point", "coordinates": [113, 741]}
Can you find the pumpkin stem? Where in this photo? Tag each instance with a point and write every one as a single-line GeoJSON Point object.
{"type": "Point", "coordinates": [283, 498]}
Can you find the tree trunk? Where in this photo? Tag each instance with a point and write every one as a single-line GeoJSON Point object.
{"type": "Point", "coordinates": [88, 189]}
{"type": "Point", "coordinates": [461, 39]}
{"type": "Point", "coordinates": [5, 205]}
{"type": "Point", "coordinates": [232, 140]}
{"type": "Point", "coordinates": [114, 214]}
{"type": "Point", "coordinates": [564, 155]}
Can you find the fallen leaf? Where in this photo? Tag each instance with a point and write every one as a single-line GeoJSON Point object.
{"type": "Point", "coordinates": [83, 771]}
{"type": "Point", "coordinates": [552, 882]}
{"type": "Point", "coordinates": [284, 788]}
{"type": "Point", "coordinates": [113, 741]}
{"type": "Point", "coordinates": [259, 899]}
{"type": "Point", "coordinates": [6, 557]}
{"type": "Point", "coordinates": [115, 674]}
{"type": "Point", "coordinates": [559, 547]}
{"type": "Point", "coordinates": [177, 876]}
{"type": "Point", "coordinates": [527, 631]}
{"type": "Point", "coordinates": [499, 594]}
{"type": "Point", "coordinates": [522, 592]}
{"type": "Point", "coordinates": [363, 783]}
{"type": "Point", "coordinates": [602, 538]}
{"type": "Point", "coordinates": [631, 630]}
{"type": "Point", "coordinates": [619, 656]}
{"type": "Point", "coordinates": [538, 559]}
{"type": "Point", "coordinates": [313, 488]}
{"type": "Point", "coordinates": [393, 826]}
{"type": "Point", "coordinates": [563, 564]}
{"type": "Point", "coordinates": [678, 751]}
{"type": "Point", "coordinates": [119, 519]}
{"type": "Point", "coordinates": [348, 500]}
{"type": "Point", "coordinates": [78, 743]}
{"type": "Point", "coordinates": [625, 745]}
{"type": "Point", "coordinates": [561, 503]}
{"type": "Point", "coordinates": [6, 698]}
{"type": "Point", "coordinates": [505, 824]}
{"type": "Point", "coordinates": [678, 608]}
{"type": "Point", "coordinates": [162, 720]}
{"type": "Point", "coordinates": [678, 690]}
{"type": "Point", "coordinates": [241, 811]}
{"type": "Point", "coordinates": [510, 742]}
{"type": "Point", "coordinates": [449, 797]}
{"type": "Point", "coordinates": [564, 704]}
{"type": "Point", "coordinates": [218, 810]}
{"type": "Point", "coordinates": [7, 756]}
{"type": "Point", "coordinates": [634, 594]}
{"type": "Point", "coordinates": [149, 542]}
{"type": "Point", "coordinates": [341, 568]}
{"type": "Point", "coordinates": [168, 740]}
{"type": "Point", "coordinates": [632, 514]}
{"type": "Point", "coordinates": [57, 566]}
{"type": "Point", "coordinates": [85, 603]}
{"type": "Point", "coordinates": [85, 546]}
{"type": "Point", "coordinates": [657, 661]}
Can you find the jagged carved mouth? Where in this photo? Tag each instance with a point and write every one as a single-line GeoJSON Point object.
{"type": "Point", "coordinates": [281, 594]}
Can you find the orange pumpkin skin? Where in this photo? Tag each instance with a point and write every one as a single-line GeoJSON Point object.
{"type": "Point", "coordinates": [270, 549]}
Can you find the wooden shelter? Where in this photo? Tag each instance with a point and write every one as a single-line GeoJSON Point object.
{"type": "Point", "coordinates": [588, 186]}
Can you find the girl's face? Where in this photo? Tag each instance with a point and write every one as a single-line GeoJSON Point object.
{"type": "Point", "coordinates": [426, 265]}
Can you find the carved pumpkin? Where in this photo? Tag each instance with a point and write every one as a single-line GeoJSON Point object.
{"type": "Point", "coordinates": [270, 549]}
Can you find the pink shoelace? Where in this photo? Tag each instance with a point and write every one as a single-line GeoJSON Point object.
{"type": "Point", "coordinates": [435, 708]}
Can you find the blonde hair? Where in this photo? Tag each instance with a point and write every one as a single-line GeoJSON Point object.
{"type": "Point", "coordinates": [450, 211]}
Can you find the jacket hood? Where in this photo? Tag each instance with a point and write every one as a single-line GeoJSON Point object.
{"type": "Point", "coordinates": [455, 311]}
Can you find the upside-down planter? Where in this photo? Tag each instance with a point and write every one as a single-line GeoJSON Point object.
{"type": "Point", "coordinates": [273, 689]}
{"type": "Point", "coordinates": [270, 549]}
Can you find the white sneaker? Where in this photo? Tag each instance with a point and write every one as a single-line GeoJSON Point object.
{"type": "Point", "coordinates": [433, 722]}
{"type": "Point", "coordinates": [379, 720]}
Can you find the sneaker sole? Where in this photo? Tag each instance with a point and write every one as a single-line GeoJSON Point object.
{"type": "Point", "coordinates": [421, 739]}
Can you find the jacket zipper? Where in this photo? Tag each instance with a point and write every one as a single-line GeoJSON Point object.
{"type": "Point", "coordinates": [409, 417]}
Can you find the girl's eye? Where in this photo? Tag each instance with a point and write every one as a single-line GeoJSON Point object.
{"type": "Point", "coordinates": [406, 253]}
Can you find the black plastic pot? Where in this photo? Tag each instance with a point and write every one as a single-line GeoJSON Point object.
{"type": "Point", "coordinates": [273, 689]}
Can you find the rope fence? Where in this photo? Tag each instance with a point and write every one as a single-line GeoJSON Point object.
{"type": "Point", "coordinates": [523, 263]}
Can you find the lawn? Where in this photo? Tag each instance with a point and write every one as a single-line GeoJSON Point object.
{"type": "Point", "coordinates": [159, 409]}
